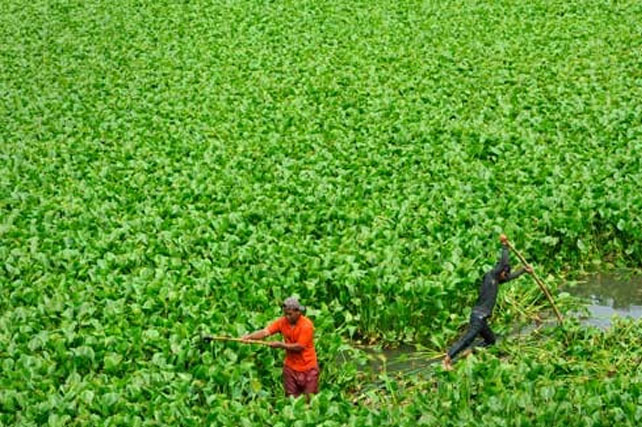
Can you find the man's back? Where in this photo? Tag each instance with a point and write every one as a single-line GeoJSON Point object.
{"type": "Point", "coordinates": [487, 295]}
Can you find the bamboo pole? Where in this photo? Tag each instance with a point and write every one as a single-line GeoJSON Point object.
{"type": "Point", "coordinates": [539, 281]}
{"type": "Point", "coordinates": [241, 340]}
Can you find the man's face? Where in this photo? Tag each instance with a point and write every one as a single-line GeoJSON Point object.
{"type": "Point", "coordinates": [503, 275]}
{"type": "Point", "coordinates": [292, 315]}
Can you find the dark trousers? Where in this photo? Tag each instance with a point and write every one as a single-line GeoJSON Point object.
{"type": "Point", "coordinates": [478, 326]}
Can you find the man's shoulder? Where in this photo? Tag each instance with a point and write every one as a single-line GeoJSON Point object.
{"type": "Point", "coordinates": [490, 275]}
{"type": "Point", "coordinates": [306, 321]}
{"type": "Point", "coordinates": [279, 321]}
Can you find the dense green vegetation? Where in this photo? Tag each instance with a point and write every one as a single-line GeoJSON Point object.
{"type": "Point", "coordinates": [169, 168]}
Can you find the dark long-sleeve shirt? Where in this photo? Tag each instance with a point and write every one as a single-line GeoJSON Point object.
{"type": "Point", "coordinates": [490, 285]}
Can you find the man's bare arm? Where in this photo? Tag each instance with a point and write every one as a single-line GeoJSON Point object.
{"type": "Point", "coordinates": [296, 347]}
{"type": "Point", "coordinates": [258, 335]}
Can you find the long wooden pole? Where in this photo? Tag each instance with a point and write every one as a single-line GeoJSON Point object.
{"type": "Point", "coordinates": [216, 338]}
{"type": "Point", "coordinates": [539, 282]}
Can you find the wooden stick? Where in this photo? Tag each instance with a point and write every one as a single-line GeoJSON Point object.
{"type": "Point", "coordinates": [539, 282]}
{"type": "Point", "coordinates": [241, 340]}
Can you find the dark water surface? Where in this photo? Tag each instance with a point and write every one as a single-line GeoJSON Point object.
{"type": "Point", "coordinates": [399, 360]}
{"type": "Point", "coordinates": [608, 294]}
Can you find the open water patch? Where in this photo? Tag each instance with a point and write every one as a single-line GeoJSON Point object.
{"type": "Point", "coordinates": [609, 294]}
{"type": "Point", "coordinates": [399, 360]}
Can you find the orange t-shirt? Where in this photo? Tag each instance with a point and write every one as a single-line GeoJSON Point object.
{"type": "Point", "coordinates": [300, 333]}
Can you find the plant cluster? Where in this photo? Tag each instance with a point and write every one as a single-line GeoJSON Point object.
{"type": "Point", "coordinates": [175, 168]}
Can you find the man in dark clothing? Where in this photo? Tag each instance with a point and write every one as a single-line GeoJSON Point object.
{"type": "Point", "coordinates": [485, 304]}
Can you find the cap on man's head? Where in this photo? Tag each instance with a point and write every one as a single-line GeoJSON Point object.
{"type": "Point", "coordinates": [293, 304]}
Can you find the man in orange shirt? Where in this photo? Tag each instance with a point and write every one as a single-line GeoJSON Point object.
{"type": "Point", "coordinates": [300, 369]}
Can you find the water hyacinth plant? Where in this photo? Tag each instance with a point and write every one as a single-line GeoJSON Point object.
{"type": "Point", "coordinates": [169, 169]}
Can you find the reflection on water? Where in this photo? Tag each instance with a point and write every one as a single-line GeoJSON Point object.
{"type": "Point", "coordinates": [609, 294]}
